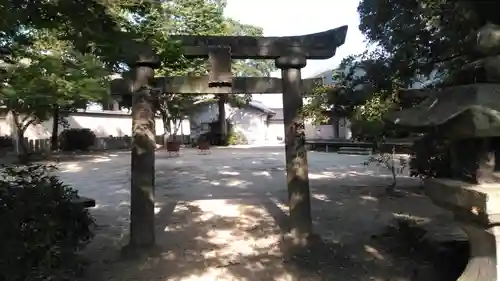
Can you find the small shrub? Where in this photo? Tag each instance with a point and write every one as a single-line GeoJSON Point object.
{"type": "Point", "coordinates": [41, 230]}
{"type": "Point", "coordinates": [396, 165]}
{"type": "Point", "coordinates": [6, 145]}
{"type": "Point", "coordinates": [77, 139]}
{"type": "Point", "coordinates": [6, 142]}
{"type": "Point", "coordinates": [430, 158]}
{"type": "Point", "coordinates": [236, 137]}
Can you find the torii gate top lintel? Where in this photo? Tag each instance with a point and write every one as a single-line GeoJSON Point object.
{"type": "Point", "coordinates": [320, 45]}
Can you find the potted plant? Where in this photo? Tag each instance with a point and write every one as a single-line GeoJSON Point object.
{"type": "Point", "coordinates": [173, 147]}
{"type": "Point", "coordinates": [203, 144]}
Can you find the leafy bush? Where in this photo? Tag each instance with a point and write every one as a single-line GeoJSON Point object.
{"type": "Point", "coordinates": [430, 158]}
{"type": "Point", "coordinates": [236, 137]}
{"type": "Point", "coordinates": [6, 142]}
{"type": "Point", "coordinates": [77, 139]}
{"type": "Point", "coordinates": [41, 230]}
{"type": "Point", "coordinates": [395, 164]}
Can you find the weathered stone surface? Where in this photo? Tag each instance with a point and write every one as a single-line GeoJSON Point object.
{"type": "Point", "coordinates": [477, 209]}
{"type": "Point", "coordinates": [142, 185]}
{"type": "Point", "coordinates": [139, 53]}
{"type": "Point", "coordinates": [488, 39]}
{"type": "Point", "coordinates": [474, 160]}
{"type": "Point", "coordinates": [296, 158]}
{"type": "Point", "coordinates": [320, 45]}
{"type": "Point", "coordinates": [298, 62]}
{"type": "Point", "coordinates": [472, 202]}
{"type": "Point", "coordinates": [220, 74]}
{"type": "Point", "coordinates": [199, 85]}
{"type": "Point", "coordinates": [460, 112]}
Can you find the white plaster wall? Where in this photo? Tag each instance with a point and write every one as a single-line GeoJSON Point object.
{"type": "Point", "coordinates": [4, 127]}
{"type": "Point", "coordinates": [103, 125]}
{"type": "Point", "coordinates": [319, 131]}
{"type": "Point", "coordinates": [345, 128]}
{"type": "Point", "coordinates": [249, 121]}
{"type": "Point", "coordinates": [276, 131]}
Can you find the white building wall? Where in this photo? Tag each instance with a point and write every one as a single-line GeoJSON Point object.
{"type": "Point", "coordinates": [276, 130]}
{"type": "Point", "coordinates": [249, 121]}
{"type": "Point", "coordinates": [102, 124]}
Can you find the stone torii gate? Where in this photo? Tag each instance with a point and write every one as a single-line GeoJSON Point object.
{"type": "Point", "coordinates": [290, 55]}
{"type": "Point", "coordinates": [199, 85]}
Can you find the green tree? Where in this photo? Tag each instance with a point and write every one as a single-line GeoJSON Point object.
{"type": "Point", "coordinates": [441, 37]}
{"type": "Point", "coordinates": [92, 26]}
{"type": "Point", "coordinates": [48, 76]}
{"type": "Point", "coordinates": [190, 17]}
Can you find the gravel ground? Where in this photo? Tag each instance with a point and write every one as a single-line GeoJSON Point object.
{"type": "Point", "coordinates": [221, 216]}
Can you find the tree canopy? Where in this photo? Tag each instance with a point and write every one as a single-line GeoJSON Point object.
{"type": "Point", "coordinates": [410, 44]}
{"type": "Point", "coordinates": [59, 54]}
{"type": "Point", "coordinates": [442, 36]}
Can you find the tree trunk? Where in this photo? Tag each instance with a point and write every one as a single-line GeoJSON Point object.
{"type": "Point", "coordinates": [22, 144]}
{"type": "Point", "coordinates": [54, 140]}
{"type": "Point", "coordinates": [335, 124]}
{"type": "Point", "coordinates": [166, 127]}
{"type": "Point", "coordinates": [222, 120]}
{"type": "Point", "coordinates": [20, 129]}
{"type": "Point", "coordinates": [392, 188]}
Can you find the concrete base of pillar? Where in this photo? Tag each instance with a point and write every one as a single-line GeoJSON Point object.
{"type": "Point", "coordinates": [477, 209]}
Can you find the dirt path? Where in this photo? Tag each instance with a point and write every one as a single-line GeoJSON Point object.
{"type": "Point", "coordinates": [221, 216]}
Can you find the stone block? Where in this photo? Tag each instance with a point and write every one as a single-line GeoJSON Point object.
{"type": "Point", "coordinates": [477, 209]}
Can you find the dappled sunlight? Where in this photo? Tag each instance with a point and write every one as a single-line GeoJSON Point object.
{"type": "Point", "coordinates": [229, 173]}
{"type": "Point", "coordinates": [221, 216]}
{"type": "Point", "coordinates": [99, 160]}
{"type": "Point", "coordinates": [236, 241]}
{"type": "Point", "coordinates": [339, 175]}
{"type": "Point", "coordinates": [368, 198]}
{"type": "Point", "coordinates": [411, 217]}
{"type": "Point", "coordinates": [263, 173]}
{"type": "Point", "coordinates": [237, 183]}
{"type": "Point", "coordinates": [212, 240]}
{"type": "Point", "coordinates": [374, 252]}
{"type": "Point", "coordinates": [281, 205]}
{"type": "Point", "coordinates": [71, 168]}
{"type": "Point", "coordinates": [321, 197]}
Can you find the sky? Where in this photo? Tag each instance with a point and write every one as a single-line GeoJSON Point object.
{"type": "Point", "coordinates": [298, 17]}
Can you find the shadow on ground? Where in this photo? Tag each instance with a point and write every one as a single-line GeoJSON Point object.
{"type": "Point", "coordinates": [222, 216]}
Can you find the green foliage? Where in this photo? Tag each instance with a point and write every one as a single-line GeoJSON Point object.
{"type": "Point", "coordinates": [236, 137]}
{"type": "Point", "coordinates": [6, 142]}
{"type": "Point", "coordinates": [77, 139]}
{"type": "Point", "coordinates": [430, 158]}
{"type": "Point", "coordinates": [93, 27]}
{"type": "Point", "coordinates": [42, 231]}
{"type": "Point", "coordinates": [441, 37]}
{"type": "Point", "coordinates": [50, 75]}
{"type": "Point", "coordinates": [437, 43]}
{"type": "Point", "coordinates": [367, 120]}
{"type": "Point", "coordinates": [396, 165]}
{"type": "Point", "coordinates": [358, 79]}
{"type": "Point", "coordinates": [189, 17]}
